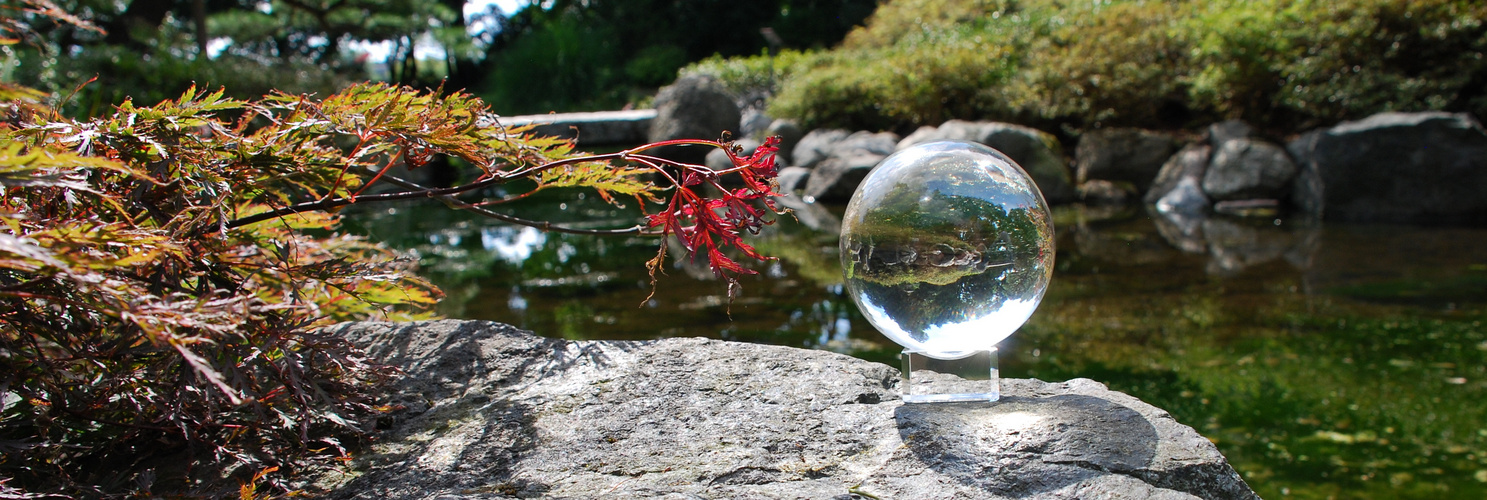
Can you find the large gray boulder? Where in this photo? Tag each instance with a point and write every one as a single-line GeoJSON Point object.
{"type": "Point", "coordinates": [816, 146]}
{"type": "Point", "coordinates": [1394, 167]}
{"type": "Point", "coordinates": [835, 179]}
{"type": "Point", "coordinates": [1185, 167]}
{"type": "Point", "coordinates": [493, 412]}
{"type": "Point", "coordinates": [1123, 154]}
{"type": "Point", "coordinates": [1037, 152]}
{"type": "Point", "coordinates": [1248, 168]}
{"type": "Point", "coordinates": [694, 107]}
{"type": "Point", "coordinates": [1228, 130]}
{"type": "Point", "coordinates": [790, 135]}
{"type": "Point", "coordinates": [847, 161]}
{"type": "Point", "coordinates": [752, 122]}
{"type": "Point", "coordinates": [1186, 198]}
{"type": "Point", "coordinates": [863, 142]}
{"type": "Point", "coordinates": [792, 179]}
{"type": "Point", "coordinates": [1098, 192]}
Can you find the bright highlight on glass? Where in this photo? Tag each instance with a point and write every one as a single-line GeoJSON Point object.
{"type": "Point", "coordinates": [947, 249]}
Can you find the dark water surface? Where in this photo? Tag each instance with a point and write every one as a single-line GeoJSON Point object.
{"type": "Point", "coordinates": [1326, 361]}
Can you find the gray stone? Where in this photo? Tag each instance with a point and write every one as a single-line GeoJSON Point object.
{"type": "Point", "coordinates": [753, 122]}
{"type": "Point", "coordinates": [1123, 154]}
{"type": "Point", "coordinates": [1037, 152]}
{"type": "Point", "coordinates": [1189, 163]}
{"type": "Point", "coordinates": [1395, 167]}
{"type": "Point", "coordinates": [1185, 199]}
{"type": "Point", "coordinates": [695, 107]}
{"type": "Point", "coordinates": [600, 128]}
{"type": "Point", "coordinates": [863, 142]}
{"type": "Point", "coordinates": [1098, 192]}
{"type": "Point", "coordinates": [847, 161]}
{"type": "Point", "coordinates": [1307, 192]}
{"type": "Point", "coordinates": [493, 412]}
{"type": "Point", "coordinates": [1225, 131]}
{"type": "Point", "coordinates": [790, 134]}
{"type": "Point", "coordinates": [953, 130]}
{"type": "Point", "coordinates": [792, 179]}
{"type": "Point", "coordinates": [1248, 168]}
{"type": "Point", "coordinates": [811, 215]}
{"type": "Point", "coordinates": [717, 160]}
{"type": "Point", "coordinates": [816, 146]}
{"type": "Point", "coordinates": [835, 179]}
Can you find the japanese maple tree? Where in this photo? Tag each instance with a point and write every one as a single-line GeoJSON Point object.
{"type": "Point", "coordinates": [165, 271]}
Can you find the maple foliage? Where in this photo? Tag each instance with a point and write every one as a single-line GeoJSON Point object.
{"type": "Point", "coordinates": [708, 226]}
{"type": "Point", "coordinates": [164, 271]}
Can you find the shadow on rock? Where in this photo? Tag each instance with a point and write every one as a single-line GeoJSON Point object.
{"type": "Point", "coordinates": [466, 455]}
{"type": "Point", "coordinates": [467, 360]}
{"type": "Point", "coordinates": [1021, 447]}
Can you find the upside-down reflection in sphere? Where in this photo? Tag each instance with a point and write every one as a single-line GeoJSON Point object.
{"type": "Point", "coordinates": [947, 248]}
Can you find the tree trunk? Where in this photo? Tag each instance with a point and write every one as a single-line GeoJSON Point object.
{"type": "Point", "coordinates": [142, 16]}
{"type": "Point", "coordinates": [199, 15]}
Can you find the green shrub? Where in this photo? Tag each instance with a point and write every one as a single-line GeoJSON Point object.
{"type": "Point", "coordinates": [1280, 64]}
{"type": "Point", "coordinates": [1316, 62]}
{"type": "Point", "coordinates": [903, 85]}
{"type": "Point", "coordinates": [751, 75]}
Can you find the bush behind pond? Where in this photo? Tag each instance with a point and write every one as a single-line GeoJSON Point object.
{"type": "Point", "coordinates": [1286, 66]}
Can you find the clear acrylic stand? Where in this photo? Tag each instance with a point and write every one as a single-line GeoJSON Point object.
{"type": "Point", "coordinates": [973, 377]}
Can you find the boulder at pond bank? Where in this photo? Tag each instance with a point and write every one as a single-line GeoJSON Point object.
{"type": "Point", "coordinates": [1037, 152]}
{"type": "Point", "coordinates": [1123, 154]}
{"type": "Point", "coordinates": [1395, 167]}
{"type": "Point", "coordinates": [490, 411]}
{"type": "Point", "coordinates": [694, 107]}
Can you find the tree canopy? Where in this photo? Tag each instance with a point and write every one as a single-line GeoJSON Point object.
{"type": "Point", "coordinates": [549, 56]}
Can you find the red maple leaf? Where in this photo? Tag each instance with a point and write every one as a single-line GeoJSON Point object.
{"type": "Point", "coordinates": [711, 225]}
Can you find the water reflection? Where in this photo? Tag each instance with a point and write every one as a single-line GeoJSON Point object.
{"type": "Point", "coordinates": [1237, 244]}
{"type": "Point", "coordinates": [1325, 360]}
{"type": "Point", "coordinates": [512, 244]}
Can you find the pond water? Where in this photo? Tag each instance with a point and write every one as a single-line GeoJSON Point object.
{"type": "Point", "coordinates": [1325, 361]}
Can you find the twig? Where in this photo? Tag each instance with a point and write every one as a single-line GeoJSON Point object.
{"type": "Point", "coordinates": [446, 195]}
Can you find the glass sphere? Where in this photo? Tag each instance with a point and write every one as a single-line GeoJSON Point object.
{"type": "Point", "coordinates": [947, 248]}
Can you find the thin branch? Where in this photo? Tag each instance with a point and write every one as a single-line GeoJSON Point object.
{"type": "Point", "coordinates": [446, 194]}
{"type": "Point", "coordinates": [330, 203]}
{"type": "Point", "coordinates": [543, 225]}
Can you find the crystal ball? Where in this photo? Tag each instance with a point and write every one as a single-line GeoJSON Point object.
{"type": "Point", "coordinates": [947, 248]}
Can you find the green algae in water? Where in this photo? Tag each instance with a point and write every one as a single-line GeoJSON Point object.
{"type": "Point", "coordinates": [1350, 365]}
